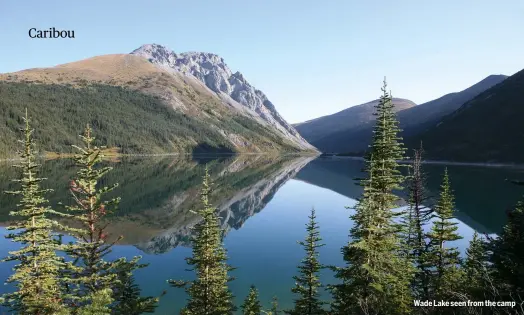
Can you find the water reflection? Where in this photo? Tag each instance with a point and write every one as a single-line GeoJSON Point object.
{"type": "Point", "coordinates": [158, 194]}
{"type": "Point", "coordinates": [483, 194]}
{"type": "Point", "coordinates": [274, 193]}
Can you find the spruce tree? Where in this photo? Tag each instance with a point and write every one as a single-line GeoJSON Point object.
{"type": "Point", "coordinates": [274, 306]}
{"type": "Point", "coordinates": [476, 269]}
{"type": "Point", "coordinates": [98, 303]}
{"type": "Point", "coordinates": [308, 283]}
{"type": "Point", "coordinates": [96, 276]}
{"type": "Point", "coordinates": [443, 261]}
{"type": "Point", "coordinates": [416, 217]}
{"type": "Point", "coordinates": [209, 293]}
{"type": "Point", "coordinates": [251, 305]}
{"type": "Point", "coordinates": [507, 257]}
{"type": "Point", "coordinates": [36, 276]}
{"type": "Point", "coordinates": [127, 293]}
{"type": "Point", "coordinates": [377, 276]}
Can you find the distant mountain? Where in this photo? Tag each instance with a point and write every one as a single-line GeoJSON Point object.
{"type": "Point", "coordinates": [355, 138]}
{"type": "Point", "coordinates": [352, 118]}
{"type": "Point", "coordinates": [140, 106]}
{"type": "Point", "coordinates": [488, 128]}
{"type": "Point", "coordinates": [420, 118]}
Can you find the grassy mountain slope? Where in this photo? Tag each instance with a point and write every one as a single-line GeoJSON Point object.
{"type": "Point", "coordinates": [344, 136]}
{"type": "Point", "coordinates": [488, 128]}
{"type": "Point", "coordinates": [135, 106]}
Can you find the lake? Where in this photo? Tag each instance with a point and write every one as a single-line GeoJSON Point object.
{"type": "Point", "coordinates": [263, 202]}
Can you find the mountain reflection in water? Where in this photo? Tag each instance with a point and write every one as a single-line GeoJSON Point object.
{"type": "Point", "coordinates": [158, 194]}
{"type": "Point", "coordinates": [274, 193]}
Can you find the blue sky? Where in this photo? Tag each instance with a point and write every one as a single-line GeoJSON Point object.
{"type": "Point", "coordinates": [311, 58]}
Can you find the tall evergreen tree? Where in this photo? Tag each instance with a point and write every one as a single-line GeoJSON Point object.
{"type": "Point", "coordinates": [98, 302]}
{"type": "Point", "coordinates": [274, 306]}
{"type": "Point", "coordinates": [377, 276]}
{"type": "Point", "coordinates": [36, 276]}
{"type": "Point", "coordinates": [127, 293]}
{"type": "Point", "coordinates": [416, 217]}
{"type": "Point", "coordinates": [444, 261]}
{"type": "Point", "coordinates": [308, 283]}
{"type": "Point", "coordinates": [208, 293]}
{"type": "Point", "coordinates": [476, 269]}
{"type": "Point", "coordinates": [251, 305]}
{"type": "Point", "coordinates": [97, 276]}
{"type": "Point", "coordinates": [507, 256]}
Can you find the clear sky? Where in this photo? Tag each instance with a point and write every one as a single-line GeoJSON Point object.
{"type": "Point", "coordinates": [311, 58]}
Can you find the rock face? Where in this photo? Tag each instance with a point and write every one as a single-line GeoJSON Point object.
{"type": "Point", "coordinates": [233, 88]}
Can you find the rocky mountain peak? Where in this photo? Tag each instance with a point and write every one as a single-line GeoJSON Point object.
{"type": "Point", "coordinates": [212, 70]}
{"type": "Point", "coordinates": [157, 53]}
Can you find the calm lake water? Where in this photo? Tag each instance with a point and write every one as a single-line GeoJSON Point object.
{"type": "Point", "coordinates": [264, 203]}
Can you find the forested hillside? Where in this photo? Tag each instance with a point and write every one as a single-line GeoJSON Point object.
{"type": "Point", "coordinates": [486, 129]}
{"type": "Point", "coordinates": [133, 121]}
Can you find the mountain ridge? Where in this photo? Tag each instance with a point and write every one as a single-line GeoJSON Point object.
{"type": "Point", "coordinates": [445, 104]}
{"type": "Point", "coordinates": [413, 120]}
{"type": "Point", "coordinates": [349, 108]}
{"type": "Point", "coordinates": [353, 117]}
{"type": "Point", "coordinates": [486, 128]}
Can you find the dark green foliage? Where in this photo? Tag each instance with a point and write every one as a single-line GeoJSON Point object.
{"type": "Point", "coordinates": [476, 269]}
{"type": "Point", "coordinates": [487, 128]}
{"type": "Point", "coordinates": [308, 283]}
{"type": "Point", "coordinates": [130, 120]}
{"type": "Point", "coordinates": [36, 276]}
{"type": "Point", "coordinates": [507, 257]}
{"type": "Point", "coordinates": [98, 302]}
{"type": "Point", "coordinates": [127, 292]}
{"type": "Point", "coordinates": [274, 306]}
{"type": "Point", "coordinates": [350, 130]}
{"type": "Point", "coordinates": [251, 305]}
{"type": "Point", "coordinates": [377, 277]}
{"type": "Point", "coordinates": [95, 276]}
{"type": "Point", "coordinates": [209, 293]}
{"type": "Point", "coordinates": [415, 218]}
{"type": "Point", "coordinates": [245, 126]}
{"type": "Point", "coordinates": [444, 261]}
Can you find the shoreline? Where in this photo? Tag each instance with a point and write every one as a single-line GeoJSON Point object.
{"type": "Point", "coordinates": [118, 155]}
{"type": "Point", "coordinates": [435, 162]}
{"type": "Point", "coordinates": [444, 162]}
